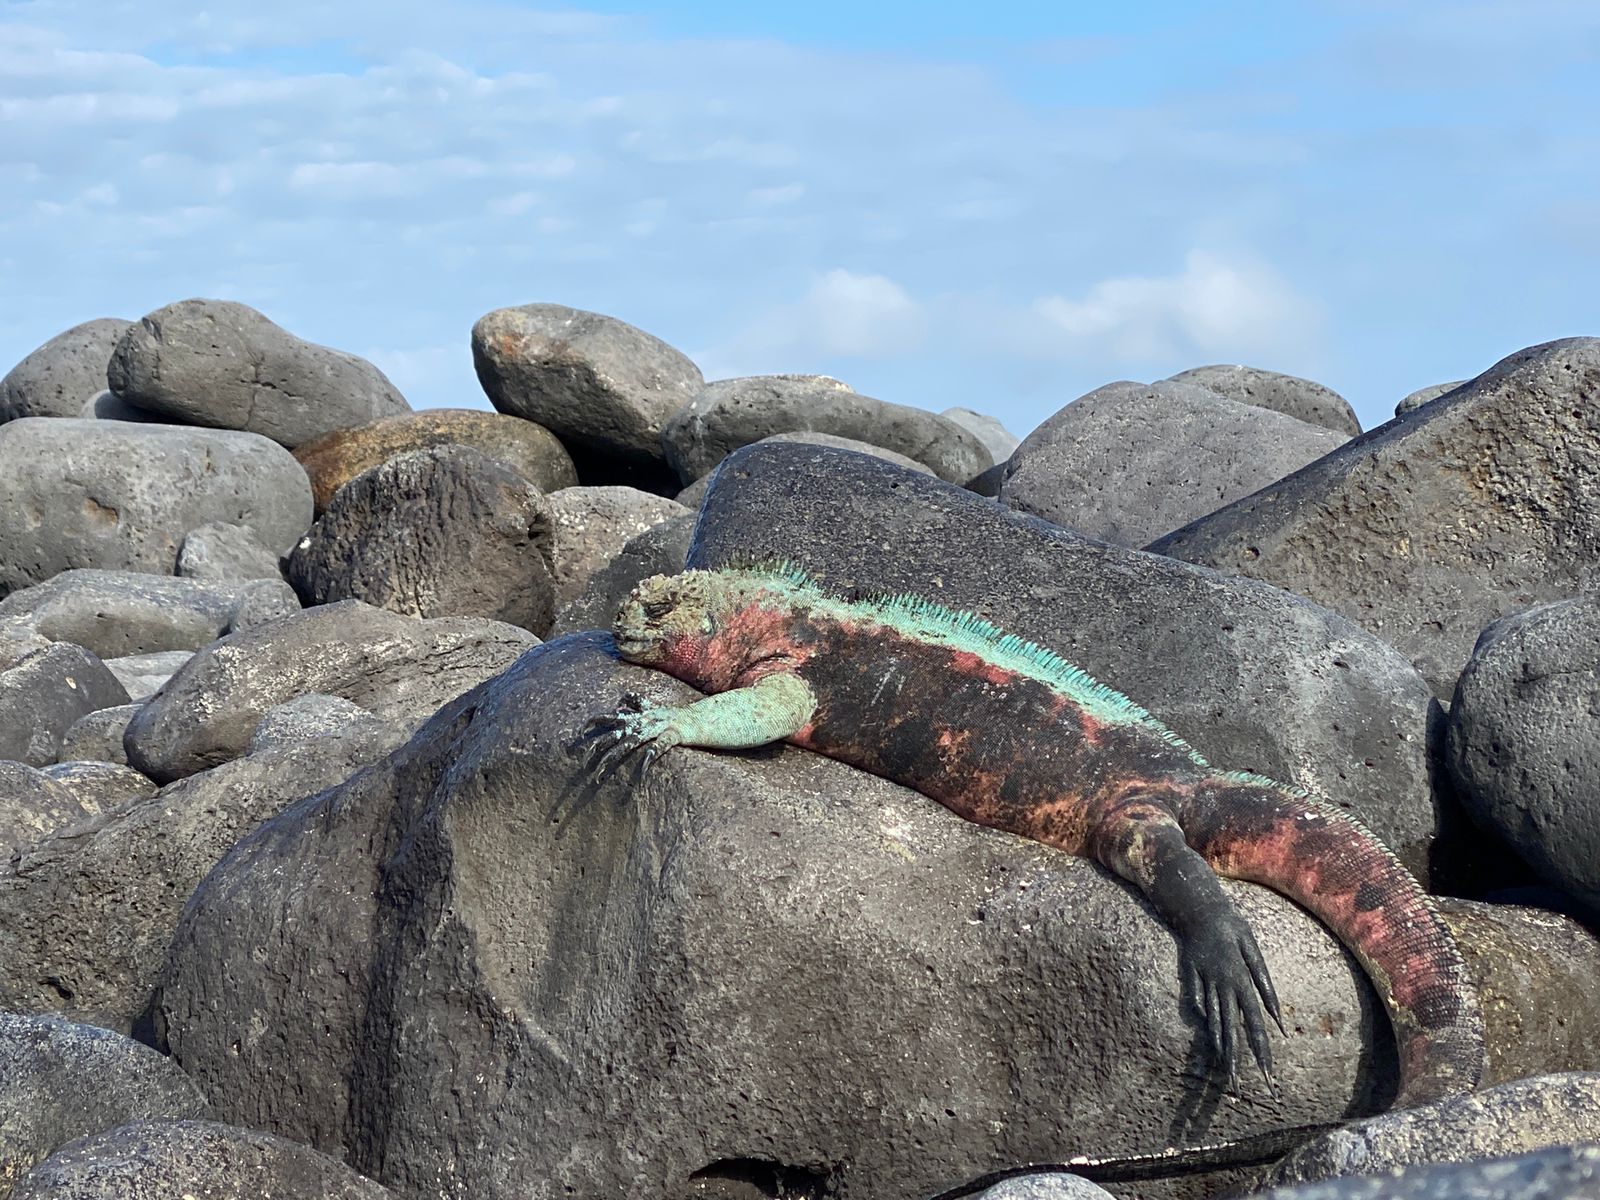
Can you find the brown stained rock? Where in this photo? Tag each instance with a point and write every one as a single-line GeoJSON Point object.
{"type": "Point", "coordinates": [530, 450]}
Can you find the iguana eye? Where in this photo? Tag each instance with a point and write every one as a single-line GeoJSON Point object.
{"type": "Point", "coordinates": [656, 609]}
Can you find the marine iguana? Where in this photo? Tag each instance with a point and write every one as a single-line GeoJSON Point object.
{"type": "Point", "coordinates": [1008, 734]}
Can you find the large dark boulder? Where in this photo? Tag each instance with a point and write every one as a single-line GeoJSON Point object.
{"type": "Point", "coordinates": [31, 806]}
{"type": "Point", "coordinates": [595, 382]}
{"type": "Point", "coordinates": [123, 497]}
{"type": "Point", "coordinates": [442, 532]}
{"type": "Point", "coordinates": [90, 910]}
{"type": "Point", "coordinates": [1476, 505]}
{"type": "Point", "coordinates": [56, 379]}
{"type": "Point", "coordinates": [731, 413]}
{"type": "Point", "coordinates": [60, 1081]}
{"type": "Point", "coordinates": [119, 613]}
{"type": "Point", "coordinates": [1524, 741]}
{"type": "Point", "coordinates": [797, 963]}
{"type": "Point", "coordinates": [162, 1159]}
{"type": "Point", "coordinates": [530, 450]}
{"type": "Point", "coordinates": [223, 364]}
{"type": "Point", "coordinates": [1253, 677]}
{"type": "Point", "coordinates": [1303, 399]}
{"type": "Point", "coordinates": [1513, 1118]}
{"type": "Point", "coordinates": [398, 668]}
{"type": "Point", "coordinates": [45, 694]}
{"type": "Point", "coordinates": [1130, 461]}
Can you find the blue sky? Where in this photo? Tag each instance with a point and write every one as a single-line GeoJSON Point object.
{"type": "Point", "coordinates": [1000, 206]}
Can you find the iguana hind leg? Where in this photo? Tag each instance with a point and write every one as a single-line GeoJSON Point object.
{"type": "Point", "coordinates": [1224, 975]}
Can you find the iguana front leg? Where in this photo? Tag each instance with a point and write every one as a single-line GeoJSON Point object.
{"type": "Point", "coordinates": [769, 710]}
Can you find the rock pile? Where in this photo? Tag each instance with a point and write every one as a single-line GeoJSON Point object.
{"type": "Point", "coordinates": [307, 891]}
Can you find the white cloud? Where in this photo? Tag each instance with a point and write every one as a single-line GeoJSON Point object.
{"type": "Point", "coordinates": [843, 315]}
{"type": "Point", "coordinates": [1214, 307]}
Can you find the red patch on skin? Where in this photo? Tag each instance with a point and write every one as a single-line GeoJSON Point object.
{"type": "Point", "coordinates": [968, 663]}
{"type": "Point", "coordinates": [750, 642]}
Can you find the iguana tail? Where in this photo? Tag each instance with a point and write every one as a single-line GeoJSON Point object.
{"type": "Point", "coordinates": [1251, 828]}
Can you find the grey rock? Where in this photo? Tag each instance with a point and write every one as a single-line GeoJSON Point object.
{"type": "Point", "coordinates": [692, 495]}
{"type": "Point", "coordinates": [999, 441]}
{"type": "Point", "coordinates": [97, 736]}
{"type": "Point", "coordinates": [45, 694]}
{"type": "Point", "coordinates": [158, 1160]}
{"type": "Point", "coordinates": [731, 413]}
{"type": "Point", "coordinates": [1524, 740]}
{"type": "Point", "coordinates": [592, 380]}
{"type": "Point", "coordinates": [792, 956]}
{"type": "Point", "coordinates": [19, 640]}
{"type": "Point", "coordinates": [224, 553]}
{"type": "Point", "coordinates": [1130, 461]}
{"type": "Point", "coordinates": [659, 550]}
{"type": "Point", "coordinates": [1302, 399]}
{"type": "Point", "coordinates": [100, 786]}
{"type": "Point", "coordinates": [1253, 677]}
{"type": "Point", "coordinates": [593, 524]}
{"type": "Point", "coordinates": [398, 668]}
{"type": "Point", "coordinates": [60, 1081]}
{"type": "Point", "coordinates": [305, 718]}
{"type": "Point", "coordinates": [1044, 1187]}
{"type": "Point", "coordinates": [119, 613]}
{"type": "Point", "coordinates": [442, 532]}
{"type": "Point", "coordinates": [144, 674]}
{"type": "Point", "coordinates": [989, 482]}
{"type": "Point", "coordinates": [1564, 1173]}
{"type": "Point", "coordinates": [1538, 973]}
{"type": "Point", "coordinates": [91, 909]}
{"type": "Point", "coordinates": [530, 450]}
{"type": "Point", "coordinates": [122, 497]}
{"type": "Point", "coordinates": [223, 364]}
{"type": "Point", "coordinates": [60, 375]}
{"type": "Point", "coordinates": [1514, 1118]}
{"type": "Point", "coordinates": [1421, 396]}
{"type": "Point", "coordinates": [31, 806]}
{"type": "Point", "coordinates": [1475, 506]}
{"type": "Point", "coordinates": [106, 405]}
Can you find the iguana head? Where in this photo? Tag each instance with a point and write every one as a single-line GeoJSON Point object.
{"type": "Point", "coordinates": [665, 615]}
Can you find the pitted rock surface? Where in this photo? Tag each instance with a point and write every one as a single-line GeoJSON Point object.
{"type": "Point", "coordinates": [592, 380]}
{"type": "Point", "coordinates": [100, 786]}
{"type": "Point", "coordinates": [305, 718]}
{"type": "Point", "coordinates": [91, 910]}
{"type": "Point", "coordinates": [119, 613]}
{"type": "Point", "coordinates": [1564, 1173]}
{"type": "Point", "coordinates": [161, 1159]}
{"type": "Point", "coordinates": [219, 552]}
{"type": "Point", "coordinates": [97, 736]}
{"type": "Point", "coordinates": [1253, 677]}
{"type": "Point", "coordinates": [1513, 1118]}
{"type": "Point", "coordinates": [32, 805]}
{"type": "Point", "coordinates": [45, 694]}
{"type": "Point", "coordinates": [1130, 461]}
{"type": "Point", "coordinates": [692, 495]}
{"type": "Point", "coordinates": [530, 450]}
{"type": "Point", "coordinates": [60, 1081]}
{"type": "Point", "coordinates": [398, 668]}
{"type": "Point", "coordinates": [1479, 504]}
{"type": "Point", "coordinates": [731, 413]}
{"type": "Point", "coordinates": [1302, 399]}
{"type": "Point", "coordinates": [122, 497]}
{"type": "Point", "coordinates": [593, 525]}
{"type": "Point", "coordinates": [56, 379]}
{"type": "Point", "coordinates": [442, 532]}
{"type": "Point", "coordinates": [659, 550]}
{"type": "Point", "coordinates": [1524, 741]}
{"type": "Point", "coordinates": [223, 364]}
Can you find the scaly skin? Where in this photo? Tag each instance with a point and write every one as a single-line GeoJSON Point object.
{"type": "Point", "coordinates": [1008, 735]}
